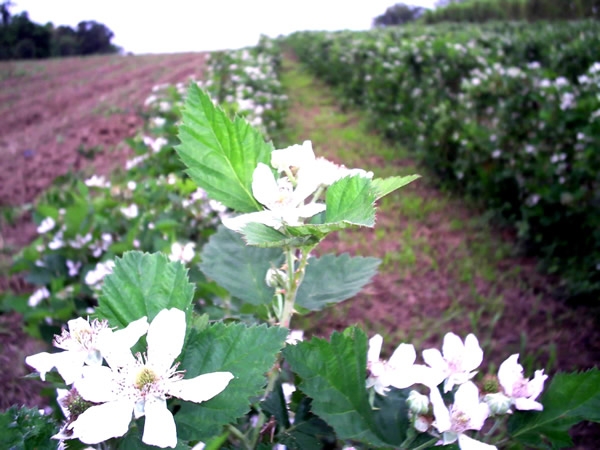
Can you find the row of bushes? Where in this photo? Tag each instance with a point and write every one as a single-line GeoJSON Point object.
{"type": "Point", "coordinates": [85, 221]}
{"type": "Point", "coordinates": [478, 11]}
{"type": "Point", "coordinates": [509, 115]}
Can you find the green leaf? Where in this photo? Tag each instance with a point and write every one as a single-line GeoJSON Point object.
{"type": "Point", "coordinates": [260, 235]}
{"type": "Point", "coordinates": [143, 284]}
{"type": "Point", "coordinates": [221, 154]}
{"type": "Point", "coordinates": [26, 428]}
{"type": "Point", "coordinates": [274, 405]}
{"type": "Point", "coordinates": [333, 374]}
{"type": "Point", "coordinates": [568, 400]}
{"type": "Point", "coordinates": [351, 199]}
{"type": "Point", "coordinates": [247, 352]}
{"type": "Point", "coordinates": [385, 186]}
{"type": "Point", "coordinates": [308, 430]}
{"type": "Point", "coordinates": [332, 279]}
{"type": "Point", "coordinates": [239, 268]}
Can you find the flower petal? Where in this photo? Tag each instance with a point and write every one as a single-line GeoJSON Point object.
{"type": "Point", "coordinates": [405, 355]}
{"type": "Point", "coordinates": [67, 363]}
{"type": "Point", "coordinates": [509, 373]}
{"type": "Point", "coordinates": [433, 358]}
{"type": "Point", "coordinates": [528, 404]}
{"type": "Point", "coordinates": [165, 338]}
{"type": "Point", "coordinates": [375, 344]}
{"type": "Point", "coordinates": [97, 384]}
{"type": "Point", "coordinates": [201, 388]}
{"type": "Point", "coordinates": [264, 185]}
{"type": "Point", "coordinates": [293, 156]}
{"type": "Point", "coordinates": [440, 411]}
{"type": "Point", "coordinates": [159, 428]}
{"type": "Point", "coordinates": [267, 218]}
{"type": "Point", "coordinates": [473, 355]}
{"type": "Point", "coordinates": [467, 443]}
{"type": "Point", "coordinates": [453, 348]}
{"type": "Point", "coordinates": [115, 346]}
{"type": "Point", "coordinates": [102, 422]}
{"type": "Point", "coordinates": [309, 210]}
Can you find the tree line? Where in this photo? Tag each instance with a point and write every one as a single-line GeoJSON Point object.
{"type": "Point", "coordinates": [478, 11]}
{"type": "Point", "coordinates": [20, 38]}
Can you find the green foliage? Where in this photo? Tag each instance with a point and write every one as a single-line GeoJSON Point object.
{"type": "Point", "coordinates": [503, 113]}
{"type": "Point", "coordinates": [385, 186]}
{"type": "Point", "coordinates": [141, 285]}
{"type": "Point", "coordinates": [220, 154]}
{"type": "Point", "coordinates": [27, 428]}
{"type": "Point", "coordinates": [247, 352]}
{"type": "Point", "coordinates": [529, 10]}
{"type": "Point", "coordinates": [238, 267]}
{"type": "Point", "coordinates": [333, 374]}
{"type": "Point", "coordinates": [333, 279]}
{"type": "Point", "coordinates": [569, 399]}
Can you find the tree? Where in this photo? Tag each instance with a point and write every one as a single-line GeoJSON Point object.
{"type": "Point", "coordinates": [94, 38]}
{"type": "Point", "coordinates": [398, 14]}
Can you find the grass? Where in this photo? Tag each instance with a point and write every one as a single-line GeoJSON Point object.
{"type": "Point", "coordinates": [440, 258]}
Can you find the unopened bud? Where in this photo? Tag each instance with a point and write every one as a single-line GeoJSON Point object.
{"type": "Point", "coordinates": [422, 423]}
{"type": "Point", "coordinates": [276, 278]}
{"type": "Point", "coordinates": [490, 384]}
{"type": "Point", "coordinates": [498, 403]}
{"type": "Point", "coordinates": [417, 403]}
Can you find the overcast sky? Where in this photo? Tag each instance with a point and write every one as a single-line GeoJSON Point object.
{"type": "Point", "coordinates": [149, 26]}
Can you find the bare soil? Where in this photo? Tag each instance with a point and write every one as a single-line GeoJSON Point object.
{"type": "Point", "coordinates": [50, 109]}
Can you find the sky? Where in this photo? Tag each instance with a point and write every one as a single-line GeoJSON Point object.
{"type": "Point", "coordinates": [149, 26]}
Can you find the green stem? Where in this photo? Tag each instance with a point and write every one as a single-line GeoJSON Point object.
{"type": "Point", "coordinates": [238, 434]}
{"type": "Point", "coordinates": [295, 278]}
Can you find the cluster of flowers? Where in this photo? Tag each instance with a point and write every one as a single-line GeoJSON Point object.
{"type": "Point", "coordinates": [453, 369]}
{"type": "Point", "coordinates": [247, 81]}
{"type": "Point", "coordinates": [303, 176]}
{"type": "Point", "coordinates": [110, 385]}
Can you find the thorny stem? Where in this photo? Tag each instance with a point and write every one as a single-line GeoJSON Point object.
{"type": "Point", "coordinates": [294, 280]}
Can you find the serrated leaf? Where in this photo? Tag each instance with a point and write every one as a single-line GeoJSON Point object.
{"type": "Point", "coordinates": [247, 352]}
{"type": "Point", "coordinates": [332, 279]}
{"type": "Point", "coordinates": [239, 268]}
{"type": "Point", "coordinates": [351, 199]}
{"type": "Point", "coordinates": [568, 400]}
{"type": "Point", "coordinates": [333, 374]}
{"type": "Point", "coordinates": [274, 405]}
{"type": "Point", "coordinates": [260, 235]}
{"type": "Point", "coordinates": [385, 186]}
{"type": "Point", "coordinates": [220, 154]}
{"type": "Point", "coordinates": [308, 430]}
{"type": "Point", "coordinates": [143, 284]}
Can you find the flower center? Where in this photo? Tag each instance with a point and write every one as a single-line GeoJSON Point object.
{"type": "Point", "coordinates": [460, 421]}
{"type": "Point", "coordinates": [145, 379]}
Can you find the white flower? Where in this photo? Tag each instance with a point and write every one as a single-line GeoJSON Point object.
{"type": "Point", "coordinates": [294, 156]}
{"type": "Point", "coordinates": [184, 253]}
{"type": "Point", "coordinates": [46, 225]}
{"type": "Point", "coordinates": [467, 413]}
{"type": "Point", "coordinates": [400, 371]}
{"type": "Point", "coordinates": [37, 297]}
{"type": "Point", "coordinates": [522, 392]}
{"type": "Point", "coordinates": [86, 343]}
{"type": "Point", "coordinates": [97, 181]}
{"type": "Point", "coordinates": [95, 276]}
{"type": "Point", "coordinates": [73, 267]}
{"type": "Point", "coordinates": [458, 362]}
{"type": "Point", "coordinates": [284, 203]}
{"type": "Point", "coordinates": [131, 212]}
{"type": "Point", "coordinates": [142, 386]}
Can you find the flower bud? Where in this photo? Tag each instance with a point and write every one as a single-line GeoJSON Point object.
{"type": "Point", "coordinates": [490, 384]}
{"type": "Point", "coordinates": [276, 278]}
{"type": "Point", "coordinates": [498, 403]}
{"type": "Point", "coordinates": [417, 403]}
{"type": "Point", "coordinates": [422, 423]}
